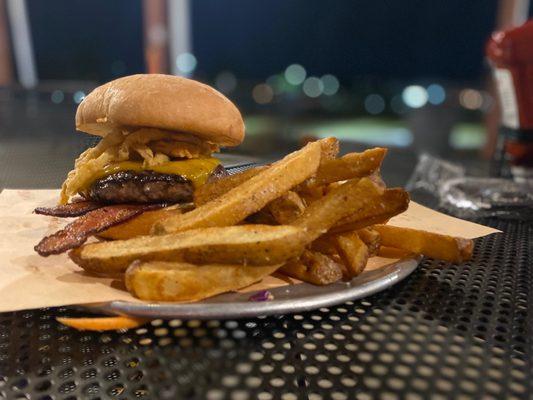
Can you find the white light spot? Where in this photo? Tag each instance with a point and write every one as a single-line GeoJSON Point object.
{"type": "Point", "coordinates": [436, 94]}
{"type": "Point", "coordinates": [331, 84]}
{"type": "Point", "coordinates": [186, 62]}
{"type": "Point", "coordinates": [374, 104]}
{"type": "Point", "coordinates": [415, 96]}
{"type": "Point", "coordinates": [262, 93]}
{"type": "Point", "coordinates": [78, 97]}
{"type": "Point", "coordinates": [226, 81]}
{"type": "Point", "coordinates": [313, 87]}
{"type": "Point", "coordinates": [57, 96]}
{"type": "Point", "coordinates": [295, 74]}
{"type": "Point", "coordinates": [471, 99]}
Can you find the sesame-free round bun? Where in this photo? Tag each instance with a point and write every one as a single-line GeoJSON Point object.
{"type": "Point", "coordinates": [164, 102]}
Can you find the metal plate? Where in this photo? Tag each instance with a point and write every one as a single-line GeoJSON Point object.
{"type": "Point", "coordinates": [287, 299]}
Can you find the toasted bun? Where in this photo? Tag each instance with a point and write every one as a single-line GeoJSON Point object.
{"type": "Point", "coordinates": [164, 102]}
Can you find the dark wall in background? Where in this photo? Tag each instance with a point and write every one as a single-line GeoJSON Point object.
{"type": "Point", "coordinates": [388, 38]}
{"type": "Point", "coordinates": [102, 39]}
{"type": "Point", "coordinates": [87, 40]}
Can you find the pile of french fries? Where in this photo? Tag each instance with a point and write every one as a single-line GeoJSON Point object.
{"type": "Point", "coordinates": [313, 216]}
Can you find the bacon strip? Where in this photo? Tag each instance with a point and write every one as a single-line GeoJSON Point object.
{"type": "Point", "coordinates": [77, 232]}
{"type": "Point", "coordinates": [69, 210]}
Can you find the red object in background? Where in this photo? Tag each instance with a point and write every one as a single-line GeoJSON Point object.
{"type": "Point", "coordinates": [511, 55]}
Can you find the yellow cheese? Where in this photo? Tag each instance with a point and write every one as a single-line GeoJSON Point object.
{"type": "Point", "coordinates": [197, 170]}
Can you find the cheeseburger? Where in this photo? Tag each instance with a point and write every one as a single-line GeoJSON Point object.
{"type": "Point", "coordinates": [158, 136]}
{"type": "Point", "coordinates": [159, 133]}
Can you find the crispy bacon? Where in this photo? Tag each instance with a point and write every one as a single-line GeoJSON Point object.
{"type": "Point", "coordinates": [77, 232]}
{"type": "Point", "coordinates": [69, 210]}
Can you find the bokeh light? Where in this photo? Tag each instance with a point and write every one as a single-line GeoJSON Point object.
{"type": "Point", "coordinates": [415, 96]}
{"type": "Point", "coordinates": [186, 62]}
{"type": "Point", "coordinates": [436, 94]}
{"type": "Point", "coordinates": [226, 81]}
{"type": "Point", "coordinates": [262, 93]}
{"type": "Point", "coordinates": [57, 96]}
{"type": "Point", "coordinates": [374, 104]}
{"type": "Point", "coordinates": [330, 83]}
{"type": "Point", "coordinates": [471, 99]}
{"type": "Point", "coordinates": [295, 74]}
{"type": "Point", "coordinates": [313, 87]}
{"type": "Point", "coordinates": [397, 105]}
{"type": "Point", "coordinates": [78, 96]}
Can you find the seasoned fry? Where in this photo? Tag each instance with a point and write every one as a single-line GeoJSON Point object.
{"type": "Point", "coordinates": [313, 267]}
{"type": "Point", "coordinates": [329, 149]}
{"type": "Point", "coordinates": [140, 225]}
{"type": "Point", "coordinates": [353, 252]}
{"type": "Point", "coordinates": [433, 245]}
{"type": "Point", "coordinates": [371, 238]}
{"type": "Point", "coordinates": [342, 201]}
{"type": "Point", "coordinates": [211, 190]}
{"type": "Point", "coordinates": [286, 208]}
{"type": "Point", "coordinates": [173, 281]}
{"type": "Point", "coordinates": [250, 196]}
{"type": "Point", "coordinates": [350, 166]}
{"type": "Point", "coordinates": [246, 244]}
{"type": "Point", "coordinates": [391, 203]}
{"type": "Point", "coordinates": [102, 323]}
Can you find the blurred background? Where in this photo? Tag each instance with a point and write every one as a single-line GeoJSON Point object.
{"type": "Point", "coordinates": [410, 75]}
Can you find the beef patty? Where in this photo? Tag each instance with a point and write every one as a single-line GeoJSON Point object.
{"type": "Point", "coordinates": [145, 187]}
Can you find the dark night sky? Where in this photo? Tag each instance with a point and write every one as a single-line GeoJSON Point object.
{"type": "Point", "coordinates": [77, 39]}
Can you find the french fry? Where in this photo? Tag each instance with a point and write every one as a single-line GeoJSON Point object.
{"type": "Point", "coordinates": [211, 190]}
{"type": "Point", "coordinates": [391, 203]}
{"type": "Point", "coordinates": [349, 166]}
{"type": "Point", "coordinates": [102, 323]}
{"type": "Point", "coordinates": [433, 245]}
{"type": "Point", "coordinates": [371, 238]}
{"type": "Point", "coordinates": [313, 267]}
{"type": "Point", "coordinates": [246, 244]}
{"type": "Point", "coordinates": [138, 226]}
{"type": "Point", "coordinates": [341, 202]}
{"type": "Point", "coordinates": [286, 208]}
{"type": "Point", "coordinates": [174, 281]}
{"type": "Point", "coordinates": [250, 196]}
{"type": "Point", "coordinates": [354, 253]}
{"type": "Point", "coordinates": [329, 148]}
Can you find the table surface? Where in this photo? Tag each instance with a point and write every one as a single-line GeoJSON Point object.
{"type": "Point", "coordinates": [447, 331]}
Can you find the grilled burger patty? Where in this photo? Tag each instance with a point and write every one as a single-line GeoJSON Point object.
{"type": "Point", "coordinates": [144, 187]}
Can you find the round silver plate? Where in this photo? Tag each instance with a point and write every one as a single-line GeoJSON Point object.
{"type": "Point", "coordinates": [287, 299]}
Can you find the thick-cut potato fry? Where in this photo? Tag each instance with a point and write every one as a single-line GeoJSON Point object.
{"type": "Point", "coordinates": [391, 203]}
{"type": "Point", "coordinates": [325, 244]}
{"type": "Point", "coordinates": [329, 148]}
{"type": "Point", "coordinates": [342, 201]}
{"type": "Point", "coordinates": [354, 253]}
{"type": "Point", "coordinates": [349, 166]}
{"type": "Point", "coordinates": [313, 267]}
{"type": "Point", "coordinates": [371, 238]}
{"type": "Point", "coordinates": [433, 245]}
{"type": "Point", "coordinates": [102, 323]}
{"type": "Point", "coordinates": [250, 196]}
{"type": "Point", "coordinates": [172, 281]}
{"type": "Point", "coordinates": [211, 190]}
{"type": "Point", "coordinates": [286, 208]}
{"type": "Point", "coordinates": [138, 226]}
{"type": "Point", "coordinates": [246, 244]}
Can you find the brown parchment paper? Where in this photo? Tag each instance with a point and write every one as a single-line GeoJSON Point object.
{"type": "Point", "coordinates": [30, 281]}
